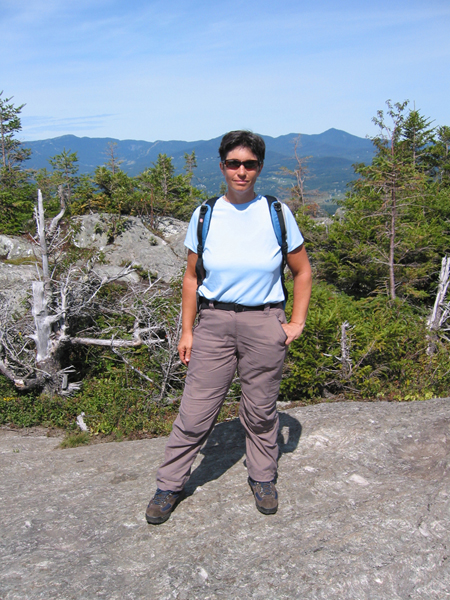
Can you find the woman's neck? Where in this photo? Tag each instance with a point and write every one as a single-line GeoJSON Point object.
{"type": "Point", "coordinates": [234, 197]}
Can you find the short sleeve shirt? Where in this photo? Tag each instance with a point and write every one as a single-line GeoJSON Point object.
{"type": "Point", "coordinates": [242, 257]}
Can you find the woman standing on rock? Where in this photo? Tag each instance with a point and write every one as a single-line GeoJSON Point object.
{"type": "Point", "coordinates": [241, 325]}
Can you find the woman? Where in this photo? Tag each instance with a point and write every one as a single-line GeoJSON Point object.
{"type": "Point", "coordinates": [241, 325]}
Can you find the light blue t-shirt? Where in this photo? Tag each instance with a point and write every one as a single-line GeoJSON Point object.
{"type": "Point", "coordinates": [242, 257]}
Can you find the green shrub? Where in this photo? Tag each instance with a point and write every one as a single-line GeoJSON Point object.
{"type": "Point", "coordinates": [110, 408]}
{"type": "Point", "coordinates": [387, 347]}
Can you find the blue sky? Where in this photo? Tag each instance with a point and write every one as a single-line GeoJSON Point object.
{"type": "Point", "coordinates": [195, 69]}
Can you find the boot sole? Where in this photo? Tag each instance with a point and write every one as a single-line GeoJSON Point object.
{"type": "Point", "coordinates": [266, 511]}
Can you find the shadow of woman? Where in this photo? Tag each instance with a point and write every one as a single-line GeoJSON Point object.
{"type": "Point", "coordinates": [226, 446]}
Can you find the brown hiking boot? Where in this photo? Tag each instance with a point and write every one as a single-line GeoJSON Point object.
{"type": "Point", "coordinates": [266, 496]}
{"type": "Point", "coordinates": [162, 505]}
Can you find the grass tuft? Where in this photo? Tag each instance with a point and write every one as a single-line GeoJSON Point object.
{"type": "Point", "coordinates": [72, 440]}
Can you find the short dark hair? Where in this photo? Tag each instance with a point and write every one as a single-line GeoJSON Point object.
{"type": "Point", "coordinates": [247, 139]}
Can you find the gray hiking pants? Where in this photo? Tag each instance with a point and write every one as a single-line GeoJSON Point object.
{"type": "Point", "coordinates": [254, 343]}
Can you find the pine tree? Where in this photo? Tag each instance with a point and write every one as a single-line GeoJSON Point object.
{"type": "Point", "coordinates": [10, 125]}
{"type": "Point", "coordinates": [418, 138]}
{"type": "Point", "coordinates": [389, 238]}
{"type": "Point", "coordinates": [16, 191]}
{"type": "Point", "coordinates": [65, 171]}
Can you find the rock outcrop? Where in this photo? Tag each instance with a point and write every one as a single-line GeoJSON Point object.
{"type": "Point", "coordinates": [121, 241]}
{"type": "Point", "coordinates": [364, 513]}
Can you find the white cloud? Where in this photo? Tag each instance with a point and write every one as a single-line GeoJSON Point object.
{"type": "Point", "coordinates": [40, 127]}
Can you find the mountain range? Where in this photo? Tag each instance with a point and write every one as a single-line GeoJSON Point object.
{"type": "Point", "coordinates": [332, 154]}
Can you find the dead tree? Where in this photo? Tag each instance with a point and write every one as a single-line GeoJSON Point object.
{"type": "Point", "coordinates": [345, 357]}
{"type": "Point", "coordinates": [344, 374]}
{"type": "Point", "coordinates": [63, 301]}
{"type": "Point", "coordinates": [170, 362]}
{"type": "Point", "coordinates": [300, 173]}
{"type": "Point", "coordinates": [441, 310]}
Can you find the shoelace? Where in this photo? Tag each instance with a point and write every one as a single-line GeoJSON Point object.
{"type": "Point", "coordinates": [161, 497]}
{"type": "Point", "coordinates": [266, 489]}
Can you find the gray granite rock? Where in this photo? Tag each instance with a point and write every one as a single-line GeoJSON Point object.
{"type": "Point", "coordinates": [134, 244]}
{"type": "Point", "coordinates": [15, 285]}
{"type": "Point", "coordinates": [17, 247]}
{"type": "Point", "coordinates": [364, 513]}
{"type": "Point", "coordinates": [162, 257]}
{"type": "Point", "coordinates": [16, 276]}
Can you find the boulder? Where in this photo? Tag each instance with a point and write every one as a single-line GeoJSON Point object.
{"type": "Point", "coordinates": [127, 240]}
{"type": "Point", "coordinates": [15, 284]}
{"type": "Point", "coordinates": [119, 241]}
{"type": "Point", "coordinates": [15, 247]}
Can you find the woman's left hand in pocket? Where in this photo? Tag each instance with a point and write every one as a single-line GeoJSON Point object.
{"type": "Point", "coordinates": [293, 331]}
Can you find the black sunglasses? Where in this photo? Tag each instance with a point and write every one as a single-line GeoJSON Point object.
{"type": "Point", "coordinates": [234, 164]}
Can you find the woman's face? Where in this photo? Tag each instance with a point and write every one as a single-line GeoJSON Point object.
{"type": "Point", "coordinates": [241, 179]}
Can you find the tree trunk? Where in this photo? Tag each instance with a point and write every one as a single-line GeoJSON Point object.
{"type": "Point", "coordinates": [47, 356]}
{"type": "Point", "coordinates": [40, 223]}
{"type": "Point", "coordinates": [392, 246]}
{"type": "Point", "coordinates": [441, 310]}
{"type": "Point", "coordinates": [346, 361]}
{"type": "Point", "coordinates": [42, 321]}
{"type": "Point", "coordinates": [3, 141]}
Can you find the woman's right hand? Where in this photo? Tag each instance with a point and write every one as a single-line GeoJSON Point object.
{"type": "Point", "coordinates": [185, 347]}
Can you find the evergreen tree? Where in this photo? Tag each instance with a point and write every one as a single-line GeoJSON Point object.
{"type": "Point", "coordinates": [418, 139]}
{"type": "Point", "coordinates": [64, 174]}
{"type": "Point", "coordinates": [189, 166]}
{"type": "Point", "coordinates": [164, 193]}
{"type": "Point", "coordinates": [10, 125]}
{"type": "Point", "coordinates": [17, 193]}
{"type": "Point", "coordinates": [116, 191]}
{"type": "Point", "coordinates": [389, 238]}
{"type": "Point", "coordinates": [190, 163]}
{"type": "Point", "coordinates": [441, 155]}
{"type": "Point", "coordinates": [113, 162]}
{"type": "Point", "coordinates": [63, 185]}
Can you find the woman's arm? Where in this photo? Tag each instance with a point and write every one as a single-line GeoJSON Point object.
{"type": "Point", "coordinates": [188, 307]}
{"type": "Point", "coordinates": [298, 263]}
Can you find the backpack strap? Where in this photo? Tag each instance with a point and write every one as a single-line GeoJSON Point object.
{"type": "Point", "coordinates": [204, 220]}
{"type": "Point", "coordinates": [279, 227]}
{"type": "Point", "coordinates": [278, 224]}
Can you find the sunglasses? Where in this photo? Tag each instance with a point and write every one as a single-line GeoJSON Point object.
{"type": "Point", "coordinates": [233, 164]}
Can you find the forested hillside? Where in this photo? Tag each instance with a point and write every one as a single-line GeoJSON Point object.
{"type": "Point", "coordinates": [378, 322]}
{"type": "Point", "coordinates": [331, 155]}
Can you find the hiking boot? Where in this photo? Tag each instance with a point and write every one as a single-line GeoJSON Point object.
{"type": "Point", "coordinates": [162, 505]}
{"type": "Point", "coordinates": [266, 496]}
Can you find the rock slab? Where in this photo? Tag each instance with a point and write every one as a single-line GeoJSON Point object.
{"type": "Point", "coordinates": [133, 245]}
{"type": "Point", "coordinates": [364, 513]}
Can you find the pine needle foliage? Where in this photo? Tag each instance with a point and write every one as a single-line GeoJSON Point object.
{"type": "Point", "coordinates": [387, 346]}
{"type": "Point", "coordinates": [393, 226]}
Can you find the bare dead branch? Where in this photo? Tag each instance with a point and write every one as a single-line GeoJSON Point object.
{"type": "Point", "coordinates": [134, 369]}
{"type": "Point", "coordinates": [40, 223]}
{"type": "Point", "coordinates": [20, 383]}
{"type": "Point", "coordinates": [441, 308]}
{"type": "Point", "coordinates": [56, 220]}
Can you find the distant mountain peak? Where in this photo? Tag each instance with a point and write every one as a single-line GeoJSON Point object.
{"type": "Point", "coordinates": [332, 154]}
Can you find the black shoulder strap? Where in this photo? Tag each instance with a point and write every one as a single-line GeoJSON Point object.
{"type": "Point", "coordinates": [204, 220]}
{"type": "Point", "coordinates": [279, 226]}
